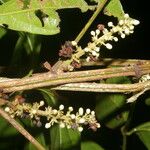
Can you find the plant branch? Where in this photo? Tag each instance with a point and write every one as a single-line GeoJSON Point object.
{"type": "Point", "coordinates": [51, 79]}
{"type": "Point", "coordinates": [99, 87]}
{"type": "Point", "coordinates": [98, 10]}
{"type": "Point", "coordinates": [19, 128]}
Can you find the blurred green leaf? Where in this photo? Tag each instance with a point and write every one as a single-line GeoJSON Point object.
{"type": "Point", "coordinates": [114, 8]}
{"type": "Point", "coordinates": [90, 145]}
{"type": "Point", "coordinates": [6, 129]}
{"type": "Point", "coordinates": [64, 139]}
{"type": "Point", "coordinates": [2, 32]}
{"type": "Point", "coordinates": [40, 138]}
{"type": "Point", "coordinates": [147, 101]}
{"type": "Point", "coordinates": [110, 107]}
{"type": "Point", "coordinates": [50, 96]}
{"type": "Point", "coordinates": [143, 132]}
{"type": "Point", "coordinates": [38, 17]}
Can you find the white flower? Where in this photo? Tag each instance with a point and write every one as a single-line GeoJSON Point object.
{"type": "Point", "coordinates": [121, 22]}
{"type": "Point", "coordinates": [47, 125]}
{"type": "Point", "coordinates": [73, 116]}
{"type": "Point", "coordinates": [97, 32]}
{"type": "Point", "coordinates": [126, 16]}
{"type": "Point", "coordinates": [81, 111]}
{"type": "Point", "coordinates": [82, 120]}
{"type": "Point", "coordinates": [93, 33]}
{"type": "Point", "coordinates": [127, 31]}
{"type": "Point", "coordinates": [70, 108]}
{"type": "Point", "coordinates": [135, 22]}
{"type": "Point", "coordinates": [123, 36]}
{"type": "Point", "coordinates": [74, 43]}
{"type": "Point", "coordinates": [88, 59]}
{"type": "Point", "coordinates": [41, 103]}
{"type": "Point", "coordinates": [86, 49]}
{"type": "Point", "coordinates": [94, 53]}
{"type": "Point", "coordinates": [88, 111]}
{"type": "Point", "coordinates": [7, 109]}
{"type": "Point", "coordinates": [61, 107]}
{"type": "Point", "coordinates": [108, 45]}
{"type": "Point", "coordinates": [80, 129]}
{"type": "Point", "coordinates": [61, 125]}
{"type": "Point", "coordinates": [97, 49]}
{"type": "Point", "coordinates": [115, 39]}
{"type": "Point", "coordinates": [110, 24]}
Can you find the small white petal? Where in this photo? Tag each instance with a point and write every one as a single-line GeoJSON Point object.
{"type": "Point", "coordinates": [70, 108]}
{"type": "Point", "coordinates": [47, 125]}
{"type": "Point", "coordinates": [108, 45]}
{"type": "Point", "coordinates": [7, 109]}
{"type": "Point", "coordinates": [61, 125]}
{"type": "Point", "coordinates": [127, 31]}
{"type": "Point", "coordinates": [131, 27]}
{"type": "Point", "coordinates": [93, 33]}
{"type": "Point", "coordinates": [82, 120]}
{"type": "Point", "coordinates": [73, 116]}
{"type": "Point", "coordinates": [123, 35]}
{"type": "Point", "coordinates": [86, 49]}
{"type": "Point", "coordinates": [97, 49]}
{"type": "Point", "coordinates": [88, 111]}
{"type": "Point", "coordinates": [115, 39]}
{"type": "Point", "coordinates": [121, 22]}
{"type": "Point", "coordinates": [81, 111]}
{"type": "Point", "coordinates": [41, 103]}
{"type": "Point", "coordinates": [136, 22]}
{"type": "Point", "coordinates": [94, 53]}
{"type": "Point", "coordinates": [74, 43]}
{"type": "Point", "coordinates": [110, 24]}
{"type": "Point", "coordinates": [126, 16]}
{"type": "Point", "coordinates": [34, 111]}
{"type": "Point", "coordinates": [61, 107]}
{"type": "Point", "coordinates": [88, 59]}
{"type": "Point", "coordinates": [97, 32]}
{"type": "Point", "coordinates": [80, 129]}
{"type": "Point", "coordinates": [93, 113]}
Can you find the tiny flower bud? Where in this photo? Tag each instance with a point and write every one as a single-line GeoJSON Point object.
{"type": "Point", "coordinates": [97, 32]}
{"type": "Point", "coordinates": [88, 59]}
{"type": "Point", "coordinates": [34, 111]}
{"type": "Point", "coordinates": [41, 103]}
{"type": "Point", "coordinates": [94, 53]}
{"type": "Point", "coordinates": [47, 125]}
{"type": "Point", "coordinates": [93, 33]}
{"type": "Point", "coordinates": [74, 43]}
{"type": "Point", "coordinates": [86, 49]}
{"type": "Point", "coordinates": [55, 111]}
{"type": "Point", "coordinates": [82, 120]}
{"type": "Point", "coordinates": [110, 24]}
{"type": "Point", "coordinates": [80, 129]}
{"type": "Point", "coordinates": [7, 109]}
{"type": "Point", "coordinates": [109, 46]}
{"type": "Point", "coordinates": [121, 22]}
{"type": "Point", "coordinates": [61, 125]}
{"type": "Point", "coordinates": [88, 111]}
{"type": "Point", "coordinates": [97, 49]}
{"type": "Point", "coordinates": [126, 16]}
{"type": "Point", "coordinates": [70, 108]}
{"type": "Point", "coordinates": [115, 39]}
{"type": "Point", "coordinates": [81, 111]}
{"type": "Point", "coordinates": [122, 35]}
{"type": "Point", "coordinates": [73, 116]}
{"type": "Point", "coordinates": [61, 107]}
{"type": "Point", "coordinates": [93, 113]}
{"type": "Point", "coordinates": [127, 31]}
{"type": "Point", "coordinates": [136, 22]}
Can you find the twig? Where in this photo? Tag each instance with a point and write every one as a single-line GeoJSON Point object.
{"type": "Point", "coordinates": [19, 128]}
{"type": "Point", "coordinates": [98, 10]}
{"type": "Point", "coordinates": [99, 87]}
{"type": "Point", "coordinates": [50, 79]}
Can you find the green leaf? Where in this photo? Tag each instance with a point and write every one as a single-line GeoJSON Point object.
{"type": "Point", "coordinates": [6, 129]}
{"type": "Point", "coordinates": [110, 107]}
{"type": "Point", "coordinates": [40, 138]}
{"type": "Point", "coordinates": [50, 96]}
{"type": "Point", "coordinates": [2, 32]}
{"type": "Point", "coordinates": [90, 145]}
{"type": "Point", "coordinates": [63, 138]}
{"type": "Point", "coordinates": [143, 132]}
{"type": "Point", "coordinates": [38, 17]}
{"type": "Point", "coordinates": [147, 101]}
{"type": "Point", "coordinates": [114, 8]}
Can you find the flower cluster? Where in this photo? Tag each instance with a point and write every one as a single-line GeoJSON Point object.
{"type": "Point", "coordinates": [100, 37]}
{"type": "Point", "coordinates": [68, 119]}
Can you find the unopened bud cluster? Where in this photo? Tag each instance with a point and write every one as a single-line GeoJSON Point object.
{"type": "Point", "coordinates": [54, 116]}
{"type": "Point", "coordinates": [102, 36]}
